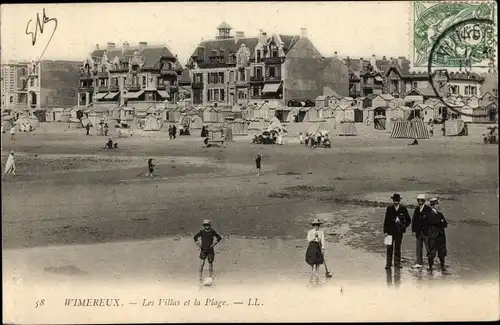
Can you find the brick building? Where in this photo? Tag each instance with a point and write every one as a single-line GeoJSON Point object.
{"type": "Point", "coordinates": [233, 71]}
{"type": "Point", "coordinates": [140, 76]}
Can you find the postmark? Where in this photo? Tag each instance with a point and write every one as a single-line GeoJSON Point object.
{"type": "Point", "coordinates": [472, 44]}
{"type": "Point", "coordinates": [479, 31]}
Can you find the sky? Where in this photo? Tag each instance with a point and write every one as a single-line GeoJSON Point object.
{"type": "Point", "coordinates": [356, 29]}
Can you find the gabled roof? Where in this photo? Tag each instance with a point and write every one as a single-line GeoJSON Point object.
{"type": "Point", "coordinates": [426, 92]}
{"type": "Point", "coordinates": [185, 77]}
{"type": "Point", "coordinates": [385, 96]}
{"type": "Point", "coordinates": [228, 45]}
{"type": "Point", "coordinates": [150, 53]}
{"type": "Point", "coordinates": [488, 93]}
{"type": "Point", "coordinates": [289, 41]}
{"type": "Point", "coordinates": [323, 97]}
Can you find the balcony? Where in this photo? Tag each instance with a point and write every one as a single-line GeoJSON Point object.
{"type": "Point", "coordinates": [102, 75]}
{"type": "Point", "coordinates": [161, 87]}
{"type": "Point", "coordinates": [241, 83]}
{"type": "Point", "coordinates": [88, 88]}
{"type": "Point", "coordinates": [273, 79]}
{"type": "Point", "coordinates": [114, 88]}
{"type": "Point", "coordinates": [133, 87]}
{"type": "Point", "coordinates": [276, 60]}
{"type": "Point", "coordinates": [197, 85]}
{"type": "Point", "coordinates": [168, 73]}
{"type": "Point", "coordinates": [257, 79]}
{"type": "Point", "coordinates": [86, 76]}
{"type": "Point", "coordinates": [118, 69]}
{"type": "Point", "coordinates": [267, 96]}
{"type": "Point", "coordinates": [102, 88]}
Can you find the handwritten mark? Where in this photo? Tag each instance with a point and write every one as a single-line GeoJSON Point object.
{"type": "Point", "coordinates": [39, 27]}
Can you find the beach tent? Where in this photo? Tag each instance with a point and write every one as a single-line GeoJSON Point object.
{"type": "Point", "coordinates": [467, 112]}
{"type": "Point", "coordinates": [196, 122]}
{"type": "Point", "coordinates": [413, 129]}
{"type": "Point", "coordinates": [379, 122]}
{"type": "Point", "coordinates": [7, 122]}
{"type": "Point", "coordinates": [57, 114]}
{"type": "Point", "coordinates": [347, 128]}
{"type": "Point", "coordinates": [152, 123]}
{"type": "Point", "coordinates": [239, 127]}
{"type": "Point", "coordinates": [294, 111]}
{"type": "Point", "coordinates": [455, 128]}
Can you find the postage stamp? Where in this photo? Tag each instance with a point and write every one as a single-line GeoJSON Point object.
{"type": "Point", "coordinates": [465, 33]}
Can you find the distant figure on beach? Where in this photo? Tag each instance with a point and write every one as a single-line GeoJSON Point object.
{"type": "Point", "coordinates": [151, 168]}
{"type": "Point", "coordinates": [414, 143]}
{"type": "Point", "coordinates": [258, 160]}
{"type": "Point", "coordinates": [106, 129]}
{"type": "Point", "coordinates": [87, 127]}
{"type": "Point", "coordinates": [174, 131]}
{"type": "Point", "coordinates": [13, 133]}
{"type": "Point", "coordinates": [207, 244]}
{"type": "Point", "coordinates": [306, 142]}
{"type": "Point", "coordinates": [301, 138]}
{"type": "Point", "coordinates": [10, 166]}
{"type": "Point", "coordinates": [316, 248]}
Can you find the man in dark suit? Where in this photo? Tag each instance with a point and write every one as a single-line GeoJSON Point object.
{"type": "Point", "coordinates": [418, 224]}
{"type": "Point", "coordinates": [397, 219]}
{"type": "Point", "coordinates": [436, 236]}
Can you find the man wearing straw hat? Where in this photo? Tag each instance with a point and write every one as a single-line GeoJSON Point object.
{"type": "Point", "coordinates": [419, 228]}
{"type": "Point", "coordinates": [397, 219]}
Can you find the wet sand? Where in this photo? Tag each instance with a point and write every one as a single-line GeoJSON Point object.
{"type": "Point", "coordinates": [69, 191]}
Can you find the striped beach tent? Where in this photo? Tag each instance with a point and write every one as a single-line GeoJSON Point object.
{"type": "Point", "coordinates": [413, 129]}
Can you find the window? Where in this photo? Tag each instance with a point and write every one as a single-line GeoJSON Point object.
{"type": "Point", "coordinates": [258, 73]}
{"type": "Point", "coordinates": [216, 94]}
{"type": "Point", "coordinates": [414, 84]}
{"type": "Point", "coordinates": [241, 95]}
{"type": "Point", "coordinates": [258, 55]}
{"type": "Point", "coordinates": [144, 81]}
{"type": "Point", "coordinates": [222, 98]}
{"type": "Point", "coordinates": [209, 95]}
{"type": "Point", "coordinates": [32, 82]}
{"type": "Point", "coordinates": [198, 78]}
{"type": "Point", "coordinates": [466, 90]}
{"type": "Point", "coordinates": [242, 75]}
{"type": "Point", "coordinates": [221, 77]}
{"type": "Point", "coordinates": [473, 90]}
{"type": "Point", "coordinates": [272, 72]}
{"type": "Point", "coordinates": [231, 76]}
{"type": "Point", "coordinates": [11, 99]}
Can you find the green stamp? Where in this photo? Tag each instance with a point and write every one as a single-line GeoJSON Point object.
{"type": "Point", "coordinates": [465, 33]}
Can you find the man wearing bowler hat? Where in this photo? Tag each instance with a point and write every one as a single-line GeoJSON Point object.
{"type": "Point", "coordinates": [419, 228]}
{"type": "Point", "coordinates": [397, 219]}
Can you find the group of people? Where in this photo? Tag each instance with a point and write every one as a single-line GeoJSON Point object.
{"type": "Point", "coordinates": [315, 140]}
{"type": "Point", "coordinates": [428, 226]}
{"type": "Point", "coordinates": [172, 131]}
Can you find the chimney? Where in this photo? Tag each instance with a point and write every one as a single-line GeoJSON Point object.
{"type": "Point", "coordinates": [238, 35]}
{"type": "Point", "coordinates": [361, 64]}
{"type": "Point", "coordinates": [125, 47]}
{"type": "Point", "coordinates": [303, 32]}
{"type": "Point", "coordinates": [262, 36]}
{"type": "Point", "coordinates": [384, 58]}
{"type": "Point", "coordinates": [142, 46]}
{"type": "Point", "coordinates": [97, 46]}
{"type": "Point", "coordinates": [400, 60]}
{"type": "Point", "coordinates": [110, 45]}
{"type": "Point", "coordinates": [335, 55]}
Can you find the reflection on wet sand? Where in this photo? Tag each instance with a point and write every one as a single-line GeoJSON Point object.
{"type": "Point", "coordinates": [393, 280]}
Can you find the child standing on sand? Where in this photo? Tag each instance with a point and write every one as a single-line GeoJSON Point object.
{"type": "Point", "coordinates": [151, 168]}
{"type": "Point", "coordinates": [315, 250]}
{"type": "Point", "coordinates": [207, 244]}
{"type": "Point", "coordinates": [257, 163]}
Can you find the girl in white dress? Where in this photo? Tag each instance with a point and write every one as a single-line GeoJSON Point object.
{"type": "Point", "coordinates": [315, 250]}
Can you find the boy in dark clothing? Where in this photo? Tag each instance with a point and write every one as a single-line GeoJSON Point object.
{"type": "Point", "coordinates": [151, 168]}
{"type": "Point", "coordinates": [207, 244]}
{"type": "Point", "coordinates": [397, 219]}
{"type": "Point", "coordinates": [257, 163]}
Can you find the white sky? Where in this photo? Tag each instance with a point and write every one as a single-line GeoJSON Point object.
{"type": "Point", "coordinates": [357, 29]}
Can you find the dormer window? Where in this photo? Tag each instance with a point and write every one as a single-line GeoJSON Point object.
{"type": "Point", "coordinates": [258, 56]}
